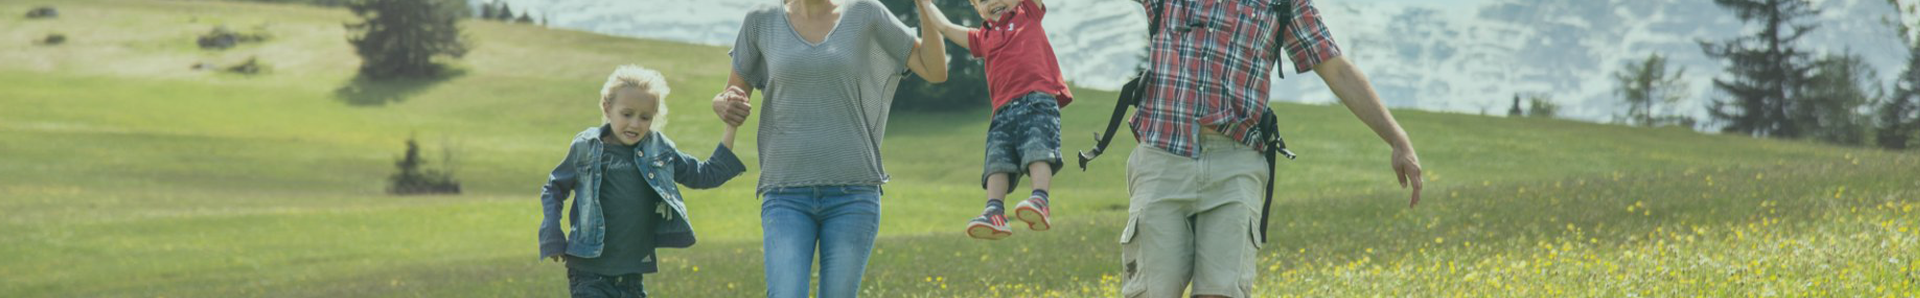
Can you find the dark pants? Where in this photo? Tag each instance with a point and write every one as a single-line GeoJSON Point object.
{"type": "Point", "coordinates": [588, 284]}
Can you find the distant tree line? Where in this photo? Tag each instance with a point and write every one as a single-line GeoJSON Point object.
{"type": "Point", "coordinates": [1538, 105]}
{"type": "Point", "coordinates": [1776, 89]}
{"type": "Point", "coordinates": [500, 11]}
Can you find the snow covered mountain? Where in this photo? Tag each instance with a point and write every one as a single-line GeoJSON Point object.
{"type": "Point", "coordinates": [1467, 56]}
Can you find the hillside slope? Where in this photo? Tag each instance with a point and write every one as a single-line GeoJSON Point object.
{"type": "Point", "coordinates": [123, 172]}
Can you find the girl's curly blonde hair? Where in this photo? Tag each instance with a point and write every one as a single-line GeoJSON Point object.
{"type": "Point", "coordinates": [646, 80]}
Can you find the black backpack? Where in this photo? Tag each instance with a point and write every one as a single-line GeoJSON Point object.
{"type": "Point", "coordinates": [1268, 128]}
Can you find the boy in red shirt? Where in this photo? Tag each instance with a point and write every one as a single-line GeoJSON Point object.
{"type": "Point", "coordinates": [1027, 92]}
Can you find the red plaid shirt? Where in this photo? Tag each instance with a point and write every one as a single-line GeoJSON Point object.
{"type": "Point", "coordinates": [1208, 67]}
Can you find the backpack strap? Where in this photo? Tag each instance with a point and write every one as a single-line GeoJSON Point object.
{"type": "Point", "coordinates": [1269, 127]}
{"type": "Point", "coordinates": [1130, 93]}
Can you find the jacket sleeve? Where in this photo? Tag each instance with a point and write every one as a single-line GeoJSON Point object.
{"type": "Point", "coordinates": [553, 197]}
{"type": "Point", "coordinates": [716, 170]}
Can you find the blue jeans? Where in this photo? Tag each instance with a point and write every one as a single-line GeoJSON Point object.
{"type": "Point", "coordinates": [841, 221]}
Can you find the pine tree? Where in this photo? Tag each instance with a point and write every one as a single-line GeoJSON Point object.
{"type": "Point", "coordinates": [1898, 118]}
{"type": "Point", "coordinates": [1647, 85]}
{"type": "Point", "coordinates": [487, 11]}
{"type": "Point", "coordinates": [1830, 109]}
{"type": "Point", "coordinates": [1768, 70]}
{"type": "Point", "coordinates": [400, 38]}
{"type": "Point", "coordinates": [1515, 111]}
{"type": "Point", "coordinates": [505, 13]}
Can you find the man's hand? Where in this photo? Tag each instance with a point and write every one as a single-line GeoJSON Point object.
{"type": "Point", "coordinates": [1351, 86]}
{"type": "Point", "coordinates": [555, 258]}
{"type": "Point", "coordinates": [732, 106]}
{"type": "Point", "coordinates": [1406, 166]}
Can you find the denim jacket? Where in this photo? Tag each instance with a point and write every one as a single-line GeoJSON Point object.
{"type": "Point", "coordinates": [663, 165]}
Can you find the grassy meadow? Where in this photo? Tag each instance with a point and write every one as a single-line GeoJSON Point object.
{"type": "Point", "coordinates": [126, 173]}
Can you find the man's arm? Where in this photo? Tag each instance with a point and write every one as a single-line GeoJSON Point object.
{"type": "Point", "coordinates": [1357, 94]}
{"type": "Point", "coordinates": [930, 17]}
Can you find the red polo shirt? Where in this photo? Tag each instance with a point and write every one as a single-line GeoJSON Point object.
{"type": "Point", "coordinates": [1019, 59]}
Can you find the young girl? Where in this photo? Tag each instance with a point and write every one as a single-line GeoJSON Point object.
{"type": "Point", "coordinates": [622, 176]}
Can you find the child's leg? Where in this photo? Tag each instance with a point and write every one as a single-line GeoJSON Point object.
{"type": "Point", "coordinates": [1042, 174]}
{"type": "Point", "coordinates": [1040, 154]}
{"type": "Point", "coordinates": [1034, 209]}
{"type": "Point", "coordinates": [992, 222]}
{"type": "Point", "coordinates": [997, 176]}
{"type": "Point", "coordinates": [997, 184]}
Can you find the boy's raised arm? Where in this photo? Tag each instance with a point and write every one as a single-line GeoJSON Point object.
{"type": "Point", "coordinates": [930, 16]}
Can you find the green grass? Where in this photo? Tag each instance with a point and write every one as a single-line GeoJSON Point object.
{"type": "Point", "coordinates": [124, 173]}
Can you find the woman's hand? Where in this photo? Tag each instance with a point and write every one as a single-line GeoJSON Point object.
{"type": "Point", "coordinates": [732, 106]}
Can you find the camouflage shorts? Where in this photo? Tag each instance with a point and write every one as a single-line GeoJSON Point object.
{"type": "Point", "coordinates": [1024, 131]}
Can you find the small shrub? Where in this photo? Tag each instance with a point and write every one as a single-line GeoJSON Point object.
{"type": "Point", "coordinates": [1542, 106]}
{"type": "Point", "coordinates": [250, 67]}
{"type": "Point", "coordinates": [54, 39]}
{"type": "Point", "coordinates": [43, 12]}
{"type": "Point", "coordinates": [414, 178]}
{"type": "Point", "coordinates": [221, 38]}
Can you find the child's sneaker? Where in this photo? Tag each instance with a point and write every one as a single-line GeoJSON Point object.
{"type": "Point", "coordinates": [991, 224]}
{"type": "Point", "coordinates": [1034, 211]}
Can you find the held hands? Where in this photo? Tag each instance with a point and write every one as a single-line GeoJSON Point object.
{"type": "Point", "coordinates": [732, 106]}
{"type": "Point", "coordinates": [1406, 167]}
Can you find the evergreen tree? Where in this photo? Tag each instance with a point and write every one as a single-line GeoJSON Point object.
{"type": "Point", "coordinates": [1768, 70]}
{"type": "Point", "coordinates": [505, 13]}
{"type": "Point", "coordinates": [487, 12]}
{"type": "Point", "coordinates": [1830, 109]}
{"type": "Point", "coordinates": [1646, 85]}
{"type": "Point", "coordinates": [1515, 111]}
{"type": "Point", "coordinates": [1898, 118]}
{"type": "Point", "coordinates": [400, 38]}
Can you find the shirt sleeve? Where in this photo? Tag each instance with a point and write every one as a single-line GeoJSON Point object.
{"type": "Point", "coordinates": [553, 201]}
{"type": "Point", "coordinates": [894, 37]}
{"type": "Point", "coordinates": [747, 59]}
{"type": "Point", "coordinates": [1306, 38]}
{"type": "Point", "coordinates": [977, 43]}
{"type": "Point", "coordinates": [1039, 13]}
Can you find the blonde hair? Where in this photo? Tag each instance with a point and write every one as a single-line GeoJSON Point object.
{"type": "Point", "coordinates": [645, 80]}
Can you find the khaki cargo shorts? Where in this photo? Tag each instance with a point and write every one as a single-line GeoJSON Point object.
{"type": "Point", "coordinates": [1192, 220]}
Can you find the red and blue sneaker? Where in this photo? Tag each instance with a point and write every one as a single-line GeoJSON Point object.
{"type": "Point", "coordinates": [991, 224]}
{"type": "Point", "coordinates": [1034, 211]}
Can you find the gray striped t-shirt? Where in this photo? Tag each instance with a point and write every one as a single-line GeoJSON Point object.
{"type": "Point", "coordinates": [825, 107]}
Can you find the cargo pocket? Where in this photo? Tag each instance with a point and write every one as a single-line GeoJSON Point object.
{"type": "Point", "coordinates": [1253, 233]}
{"type": "Point", "coordinates": [1130, 285]}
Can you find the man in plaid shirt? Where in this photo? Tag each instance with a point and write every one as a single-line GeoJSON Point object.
{"type": "Point", "coordinates": [1197, 175]}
